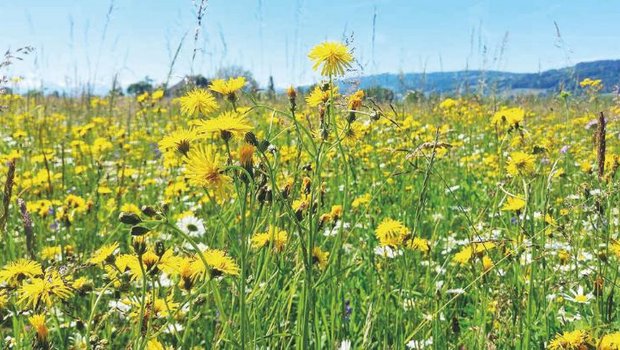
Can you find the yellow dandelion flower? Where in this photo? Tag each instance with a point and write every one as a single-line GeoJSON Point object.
{"type": "Point", "coordinates": [103, 253]}
{"type": "Point", "coordinates": [228, 87]}
{"type": "Point", "coordinates": [420, 244]}
{"type": "Point", "coordinates": [464, 255]}
{"type": "Point", "coordinates": [38, 324]}
{"type": "Point", "coordinates": [361, 200]}
{"type": "Point", "coordinates": [511, 116]}
{"type": "Point", "coordinates": [610, 342]}
{"type": "Point", "coordinates": [320, 95]}
{"type": "Point", "coordinates": [274, 236]}
{"type": "Point", "coordinates": [198, 102]}
{"type": "Point", "coordinates": [320, 257]}
{"type": "Point", "coordinates": [130, 208]}
{"type": "Point", "coordinates": [44, 290]}
{"type": "Point", "coordinates": [220, 263]}
{"type": "Point", "coordinates": [154, 344]}
{"type": "Point", "coordinates": [521, 164]}
{"type": "Point", "coordinates": [157, 95]}
{"type": "Point", "coordinates": [614, 247]}
{"type": "Point", "coordinates": [514, 204]}
{"type": "Point", "coordinates": [15, 272]}
{"type": "Point", "coordinates": [391, 232]}
{"type": "Point", "coordinates": [354, 101]}
{"type": "Point", "coordinates": [333, 58]}
{"type": "Point", "coordinates": [351, 133]}
{"type": "Point", "coordinates": [574, 340]}
{"type": "Point", "coordinates": [204, 168]}
{"type": "Point", "coordinates": [51, 253]}
{"type": "Point", "coordinates": [189, 269]}
{"type": "Point", "coordinates": [487, 263]}
{"type": "Point", "coordinates": [179, 141]}
{"type": "Point", "coordinates": [226, 124]}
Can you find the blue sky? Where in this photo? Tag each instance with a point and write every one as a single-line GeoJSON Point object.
{"type": "Point", "coordinates": [272, 37]}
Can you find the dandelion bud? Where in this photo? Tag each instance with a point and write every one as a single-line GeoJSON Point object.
{"type": "Point", "coordinates": [129, 218]}
{"type": "Point", "coordinates": [299, 214]}
{"type": "Point", "coordinates": [324, 219]}
{"type": "Point", "coordinates": [292, 95]}
{"type": "Point", "coordinates": [165, 207]}
{"type": "Point", "coordinates": [246, 153]}
{"type": "Point", "coordinates": [38, 324]}
{"type": "Point", "coordinates": [374, 115]}
{"type": "Point", "coordinates": [286, 191]}
{"type": "Point", "coordinates": [299, 207]}
{"type": "Point", "coordinates": [8, 190]}
{"type": "Point", "coordinates": [456, 327]}
{"type": "Point", "coordinates": [263, 145]}
{"type": "Point", "coordinates": [226, 135]}
{"type": "Point", "coordinates": [264, 195]}
{"type": "Point", "coordinates": [160, 249]}
{"type": "Point", "coordinates": [148, 211]}
{"type": "Point", "coordinates": [599, 285]}
{"type": "Point", "coordinates": [306, 185]}
{"type": "Point", "coordinates": [139, 245]}
{"type": "Point", "coordinates": [351, 117]}
{"type": "Point", "coordinates": [336, 212]}
{"type": "Point", "coordinates": [138, 230]}
{"type": "Point", "coordinates": [28, 227]}
{"type": "Point", "coordinates": [251, 139]}
{"type": "Point", "coordinates": [94, 339]}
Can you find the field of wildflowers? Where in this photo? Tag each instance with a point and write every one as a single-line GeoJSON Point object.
{"type": "Point", "coordinates": [318, 220]}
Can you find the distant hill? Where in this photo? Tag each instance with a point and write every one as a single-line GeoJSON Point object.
{"type": "Point", "coordinates": [503, 82]}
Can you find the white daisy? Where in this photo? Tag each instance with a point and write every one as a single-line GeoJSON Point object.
{"type": "Point", "coordinates": [579, 296]}
{"type": "Point", "coordinates": [192, 226]}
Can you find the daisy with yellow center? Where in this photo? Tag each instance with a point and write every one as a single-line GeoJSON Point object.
{"type": "Point", "coordinates": [579, 296]}
{"type": "Point", "coordinates": [198, 102]}
{"type": "Point", "coordinates": [204, 168]}
{"type": "Point", "coordinates": [331, 57]}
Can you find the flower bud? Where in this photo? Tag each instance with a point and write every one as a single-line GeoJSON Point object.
{"type": "Point", "coordinates": [129, 218]}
